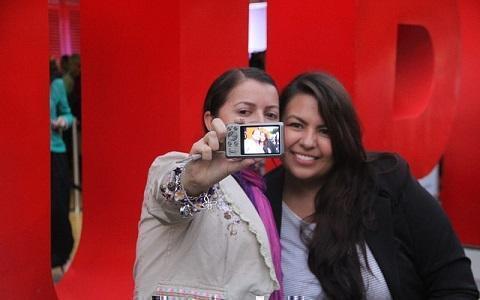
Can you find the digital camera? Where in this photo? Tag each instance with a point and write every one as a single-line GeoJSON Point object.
{"type": "Point", "coordinates": [254, 140]}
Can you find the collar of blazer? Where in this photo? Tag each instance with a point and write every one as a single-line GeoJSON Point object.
{"type": "Point", "coordinates": [244, 208]}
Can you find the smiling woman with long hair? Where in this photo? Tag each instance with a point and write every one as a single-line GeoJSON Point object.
{"type": "Point", "coordinates": [353, 224]}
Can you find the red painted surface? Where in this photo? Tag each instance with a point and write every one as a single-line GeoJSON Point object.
{"type": "Point", "coordinates": [461, 169]}
{"type": "Point", "coordinates": [24, 152]}
{"type": "Point", "coordinates": [146, 67]}
{"type": "Point", "coordinates": [307, 35]}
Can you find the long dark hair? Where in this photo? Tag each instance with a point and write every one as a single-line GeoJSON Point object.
{"type": "Point", "coordinates": [222, 86]}
{"type": "Point", "coordinates": [343, 210]}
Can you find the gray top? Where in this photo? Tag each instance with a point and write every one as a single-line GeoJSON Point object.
{"type": "Point", "coordinates": [297, 278]}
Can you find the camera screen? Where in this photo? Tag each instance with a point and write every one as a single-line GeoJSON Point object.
{"type": "Point", "coordinates": [259, 140]}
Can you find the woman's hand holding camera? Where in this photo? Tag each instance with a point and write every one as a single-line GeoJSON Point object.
{"type": "Point", "coordinates": [213, 166]}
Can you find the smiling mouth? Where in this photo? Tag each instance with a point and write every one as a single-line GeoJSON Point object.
{"type": "Point", "coordinates": [304, 157]}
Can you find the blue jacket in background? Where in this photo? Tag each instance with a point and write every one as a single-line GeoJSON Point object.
{"type": "Point", "coordinates": [58, 107]}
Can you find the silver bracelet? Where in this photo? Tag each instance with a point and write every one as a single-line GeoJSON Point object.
{"type": "Point", "coordinates": [172, 190]}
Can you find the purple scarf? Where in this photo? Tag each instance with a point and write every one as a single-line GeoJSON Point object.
{"type": "Point", "coordinates": [254, 186]}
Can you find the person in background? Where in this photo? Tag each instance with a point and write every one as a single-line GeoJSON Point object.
{"type": "Point", "coordinates": [71, 74]}
{"type": "Point", "coordinates": [354, 224]}
{"type": "Point", "coordinates": [60, 119]}
{"type": "Point", "coordinates": [206, 229]}
{"type": "Point", "coordinates": [64, 64]}
{"type": "Point", "coordinates": [257, 60]}
{"type": "Point", "coordinates": [73, 83]}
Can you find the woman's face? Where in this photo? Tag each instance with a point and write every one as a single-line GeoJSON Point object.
{"type": "Point", "coordinates": [263, 137]}
{"type": "Point", "coordinates": [256, 135]}
{"type": "Point", "coordinates": [252, 101]}
{"type": "Point", "coordinates": [308, 150]}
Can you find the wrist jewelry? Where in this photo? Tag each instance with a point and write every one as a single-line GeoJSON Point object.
{"type": "Point", "coordinates": [172, 190]}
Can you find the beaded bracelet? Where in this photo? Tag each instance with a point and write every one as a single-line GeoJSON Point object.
{"type": "Point", "coordinates": [173, 190]}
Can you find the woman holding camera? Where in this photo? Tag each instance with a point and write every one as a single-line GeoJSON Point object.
{"type": "Point", "coordinates": [206, 229]}
{"type": "Point", "coordinates": [355, 225]}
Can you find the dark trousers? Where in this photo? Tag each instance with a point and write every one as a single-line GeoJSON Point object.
{"type": "Point", "coordinates": [61, 229]}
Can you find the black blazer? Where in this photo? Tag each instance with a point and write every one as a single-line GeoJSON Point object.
{"type": "Point", "coordinates": [413, 241]}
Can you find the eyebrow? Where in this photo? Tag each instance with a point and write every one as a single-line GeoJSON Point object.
{"type": "Point", "coordinates": [303, 121]}
{"type": "Point", "coordinates": [244, 102]}
{"type": "Point", "coordinates": [295, 117]}
{"type": "Point", "coordinates": [254, 104]}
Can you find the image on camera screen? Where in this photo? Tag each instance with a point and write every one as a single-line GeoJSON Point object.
{"type": "Point", "coordinates": [259, 140]}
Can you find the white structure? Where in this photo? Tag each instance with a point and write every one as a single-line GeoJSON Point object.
{"type": "Point", "coordinates": [257, 27]}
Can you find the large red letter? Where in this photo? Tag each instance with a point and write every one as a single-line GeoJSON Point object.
{"type": "Point", "coordinates": [24, 152]}
{"type": "Point", "coordinates": [146, 68]}
{"type": "Point", "coordinates": [399, 59]}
